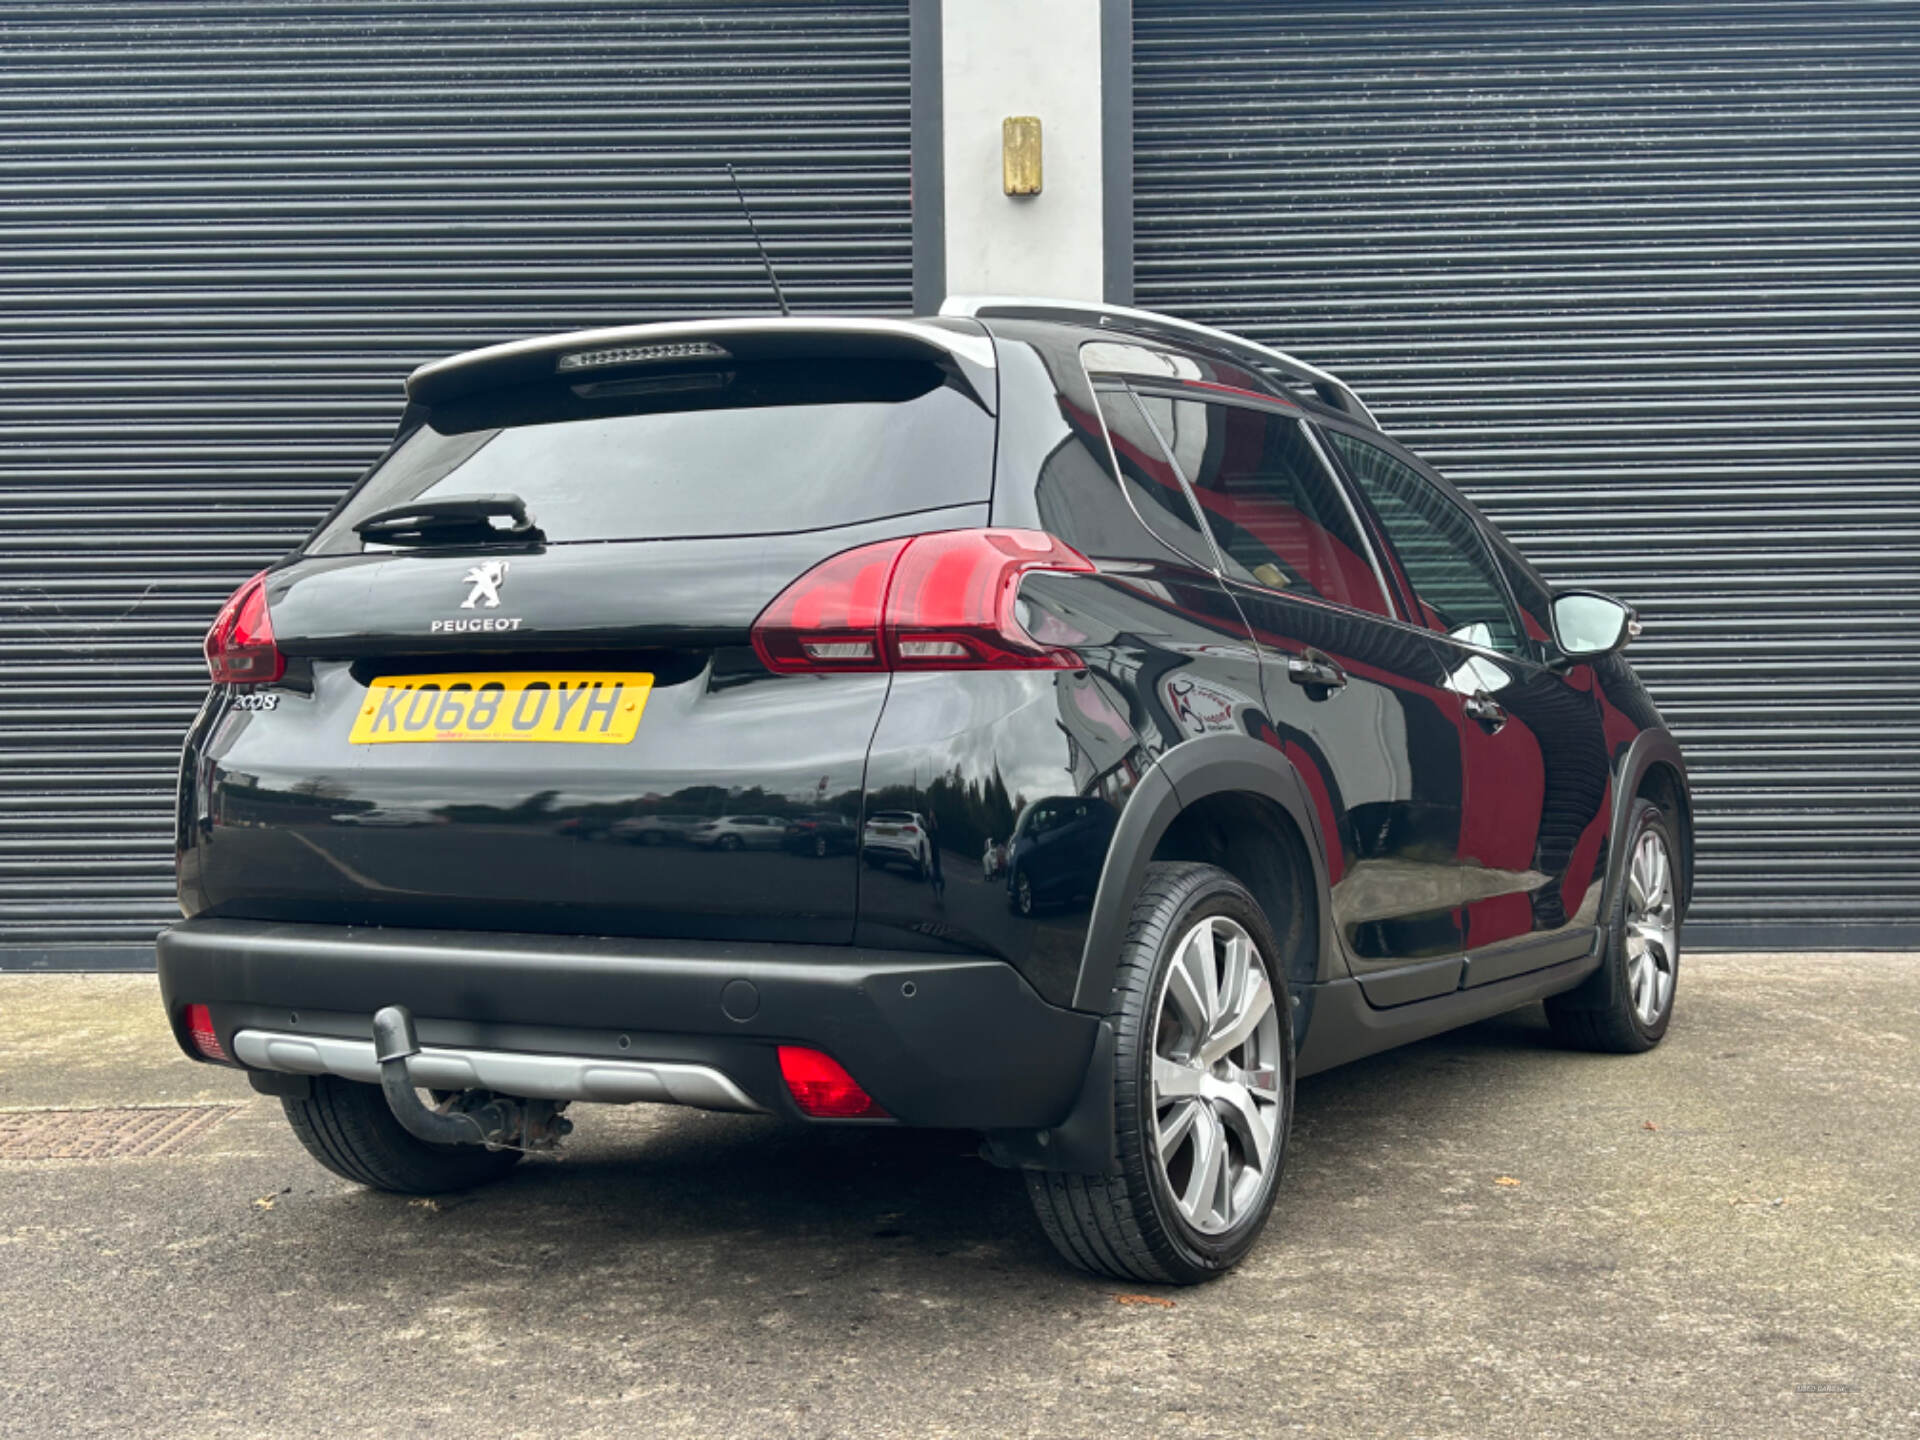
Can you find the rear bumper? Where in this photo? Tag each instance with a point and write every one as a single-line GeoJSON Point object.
{"type": "Point", "coordinates": [936, 1041]}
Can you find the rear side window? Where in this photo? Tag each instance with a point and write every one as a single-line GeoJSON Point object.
{"type": "Point", "coordinates": [1440, 548]}
{"type": "Point", "coordinates": [1274, 510]}
{"type": "Point", "coordinates": [761, 448]}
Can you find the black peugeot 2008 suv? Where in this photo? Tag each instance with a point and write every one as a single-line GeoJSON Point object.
{"type": "Point", "coordinates": [1277, 753]}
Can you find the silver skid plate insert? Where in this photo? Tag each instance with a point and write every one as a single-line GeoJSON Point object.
{"type": "Point", "coordinates": [532, 1077]}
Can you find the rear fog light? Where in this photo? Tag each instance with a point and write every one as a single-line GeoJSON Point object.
{"type": "Point", "coordinates": [204, 1037]}
{"type": "Point", "coordinates": [820, 1086]}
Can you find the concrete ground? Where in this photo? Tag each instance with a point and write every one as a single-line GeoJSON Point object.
{"type": "Point", "coordinates": [1478, 1236]}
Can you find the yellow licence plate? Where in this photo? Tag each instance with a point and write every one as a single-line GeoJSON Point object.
{"type": "Point", "coordinates": [572, 708]}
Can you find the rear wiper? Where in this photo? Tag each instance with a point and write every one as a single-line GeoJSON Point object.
{"type": "Point", "coordinates": [453, 520]}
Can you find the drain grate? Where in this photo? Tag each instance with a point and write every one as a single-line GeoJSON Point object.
{"type": "Point", "coordinates": [104, 1134]}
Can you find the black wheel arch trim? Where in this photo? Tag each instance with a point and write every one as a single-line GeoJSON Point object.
{"type": "Point", "coordinates": [1186, 774]}
{"type": "Point", "coordinates": [1649, 748]}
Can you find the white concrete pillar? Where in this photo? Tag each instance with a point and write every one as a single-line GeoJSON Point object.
{"type": "Point", "coordinates": [1060, 60]}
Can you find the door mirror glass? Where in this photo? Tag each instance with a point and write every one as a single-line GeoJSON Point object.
{"type": "Point", "coordinates": [1587, 623]}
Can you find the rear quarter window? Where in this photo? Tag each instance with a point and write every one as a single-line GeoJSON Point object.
{"type": "Point", "coordinates": [1149, 478]}
{"type": "Point", "coordinates": [752, 448]}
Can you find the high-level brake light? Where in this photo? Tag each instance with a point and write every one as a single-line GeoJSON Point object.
{"type": "Point", "coordinates": [641, 354]}
{"type": "Point", "coordinates": [239, 647]}
{"type": "Point", "coordinates": [944, 601]}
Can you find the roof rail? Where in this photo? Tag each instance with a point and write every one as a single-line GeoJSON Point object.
{"type": "Point", "coordinates": [1151, 324]}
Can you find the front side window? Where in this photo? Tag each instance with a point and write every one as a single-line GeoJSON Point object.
{"type": "Point", "coordinates": [1440, 548]}
{"type": "Point", "coordinates": [1275, 512]}
{"type": "Point", "coordinates": [1535, 600]}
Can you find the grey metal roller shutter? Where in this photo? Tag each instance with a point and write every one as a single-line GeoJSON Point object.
{"type": "Point", "coordinates": [1641, 277]}
{"type": "Point", "coordinates": [228, 230]}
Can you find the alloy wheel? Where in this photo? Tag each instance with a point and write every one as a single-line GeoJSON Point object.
{"type": "Point", "coordinates": [1652, 927]}
{"type": "Point", "coordinates": [1216, 1077]}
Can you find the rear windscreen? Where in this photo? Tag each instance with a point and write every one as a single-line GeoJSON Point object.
{"type": "Point", "coordinates": [751, 449]}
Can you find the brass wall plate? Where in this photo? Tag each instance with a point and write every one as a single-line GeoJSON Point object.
{"type": "Point", "coordinates": [1020, 154]}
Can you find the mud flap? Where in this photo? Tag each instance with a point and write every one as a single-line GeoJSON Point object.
{"type": "Point", "coordinates": [1085, 1142]}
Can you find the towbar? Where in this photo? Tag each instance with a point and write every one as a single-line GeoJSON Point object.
{"type": "Point", "coordinates": [394, 1041]}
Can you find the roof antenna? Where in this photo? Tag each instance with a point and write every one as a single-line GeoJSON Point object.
{"type": "Point", "coordinates": [765, 259]}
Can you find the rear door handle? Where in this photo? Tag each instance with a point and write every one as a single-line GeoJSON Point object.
{"type": "Point", "coordinates": [1488, 711]}
{"type": "Point", "coordinates": [1319, 674]}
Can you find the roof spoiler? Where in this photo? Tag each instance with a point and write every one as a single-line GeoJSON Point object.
{"type": "Point", "coordinates": [1149, 324]}
{"type": "Point", "coordinates": [963, 350]}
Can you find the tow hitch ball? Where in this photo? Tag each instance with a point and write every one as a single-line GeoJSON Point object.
{"type": "Point", "coordinates": [470, 1117]}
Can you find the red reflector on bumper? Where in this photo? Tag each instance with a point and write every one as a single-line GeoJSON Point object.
{"type": "Point", "coordinates": [820, 1086]}
{"type": "Point", "coordinates": [204, 1037]}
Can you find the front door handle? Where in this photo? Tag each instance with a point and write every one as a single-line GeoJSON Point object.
{"type": "Point", "coordinates": [1319, 674]}
{"type": "Point", "coordinates": [1488, 711]}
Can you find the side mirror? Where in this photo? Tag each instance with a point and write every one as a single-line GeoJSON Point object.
{"type": "Point", "coordinates": [1587, 624]}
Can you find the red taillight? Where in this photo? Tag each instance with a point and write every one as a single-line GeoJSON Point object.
{"type": "Point", "coordinates": [829, 619]}
{"type": "Point", "coordinates": [951, 604]}
{"type": "Point", "coordinates": [239, 647]}
{"type": "Point", "coordinates": [820, 1086]}
{"type": "Point", "coordinates": [204, 1037]}
{"type": "Point", "coordinates": [943, 601]}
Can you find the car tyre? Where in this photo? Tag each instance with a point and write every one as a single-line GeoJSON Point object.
{"type": "Point", "coordinates": [348, 1128]}
{"type": "Point", "coordinates": [1154, 1219]}
{"type": "Point", "coordinates": [1624, 1007]}
{"type": "Point", "coordinates": [727, 842]}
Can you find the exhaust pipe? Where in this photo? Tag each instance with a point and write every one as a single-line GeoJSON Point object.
{"type": "Point", "coordinates": [496, 1121]}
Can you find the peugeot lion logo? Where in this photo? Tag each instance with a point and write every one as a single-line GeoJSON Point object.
{"type": "Point", "coordinates": [486, 581]}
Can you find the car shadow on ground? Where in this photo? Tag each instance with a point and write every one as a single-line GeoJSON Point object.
{"type": "Point", "coordinates": [651, 1187]}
